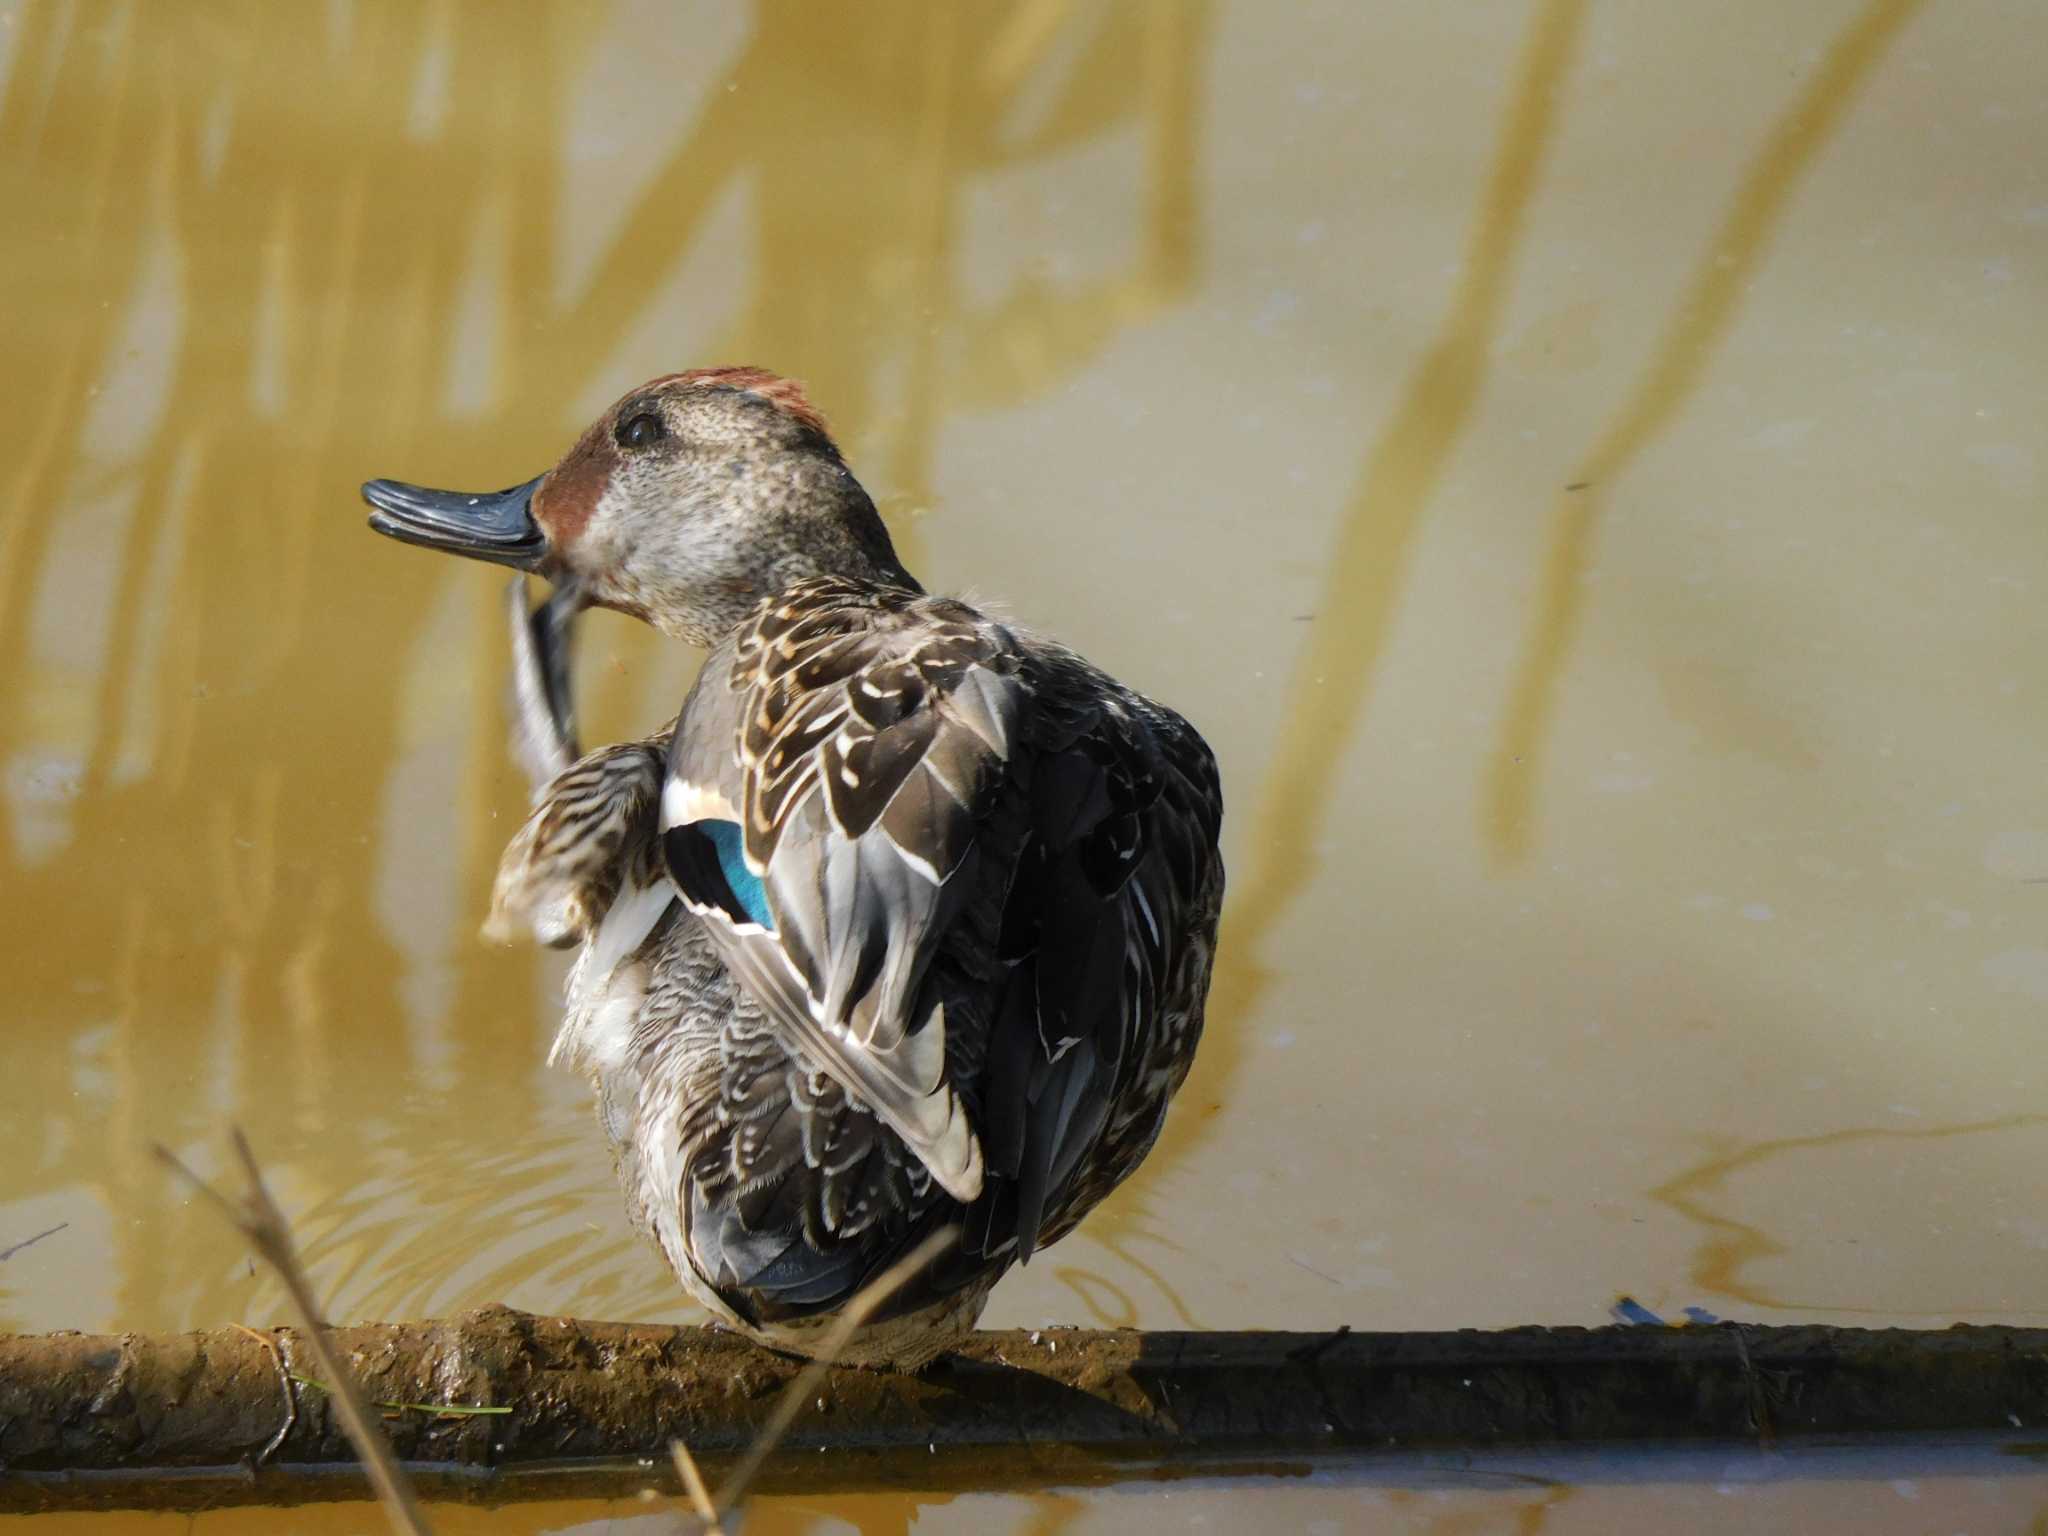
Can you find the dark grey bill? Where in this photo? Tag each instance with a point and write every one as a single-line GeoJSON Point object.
{"type": "Point", "coordinates": [497, 525]}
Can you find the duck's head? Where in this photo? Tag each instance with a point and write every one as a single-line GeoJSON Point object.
{"type": "Point", "coordinates": [686, 504]}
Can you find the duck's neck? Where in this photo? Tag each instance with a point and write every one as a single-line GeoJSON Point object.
{"type": "Point", "coordinates": [830, 530]}
{"type": "Point", "coordinates": [838, 532]}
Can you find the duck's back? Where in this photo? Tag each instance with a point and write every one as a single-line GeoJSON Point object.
{"type": "Point", "coordinates": [951, 899]}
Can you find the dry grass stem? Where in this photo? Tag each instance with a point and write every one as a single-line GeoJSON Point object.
{"type": "Point", "coordinates": [263, 1225]}
{"type": "Point", "coordinates": [858, 1311]}
{"type": "Point", "coordinates": [693, 1483]}
{"type": "Point", "coordinates": [261, 1222]}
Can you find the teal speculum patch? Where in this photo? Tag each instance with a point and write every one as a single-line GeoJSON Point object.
{"type": "Point", "coordinates": [744, 884]}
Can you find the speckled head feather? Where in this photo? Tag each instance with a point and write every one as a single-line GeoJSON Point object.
{"type": "Point", "coordinates": [699, 494]}
{"type": "Point", "coordinates": [787, 395]}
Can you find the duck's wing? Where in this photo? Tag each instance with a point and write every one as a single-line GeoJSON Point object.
{"type": "Point", "coordinates": [1107, 930]}
{"type": "Point", "coordinates": [822, 812]}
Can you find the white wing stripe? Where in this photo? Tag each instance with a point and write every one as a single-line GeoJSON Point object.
{"type": "Point", "coordinates": [683, 802]}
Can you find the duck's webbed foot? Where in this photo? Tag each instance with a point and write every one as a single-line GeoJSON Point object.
{"type": "Point", "coordinates": [544, 711]}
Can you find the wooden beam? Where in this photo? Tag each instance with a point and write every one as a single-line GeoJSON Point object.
{"type": "Point", "coordinates": [185, 1420]}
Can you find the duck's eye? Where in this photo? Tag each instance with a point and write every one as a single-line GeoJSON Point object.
{"type": "Point", "coordinates": [642, 431]}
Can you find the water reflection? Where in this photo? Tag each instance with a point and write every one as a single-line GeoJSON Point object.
{"type": "Point", "coordinates": [1889, 1492]}
{"type": "Point", "coordinates": [1728, 1246]}
{"type": "Point", "coordinates": [1331, 683]}
{"type": "Point", "coordinates": [1699, 322]}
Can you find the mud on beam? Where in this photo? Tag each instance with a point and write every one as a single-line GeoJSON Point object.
{"type": "Point", "coordinates": [202, 1419]}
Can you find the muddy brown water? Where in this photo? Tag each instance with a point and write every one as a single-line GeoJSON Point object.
{"type": "Point", "coordinates": [1579, 463]}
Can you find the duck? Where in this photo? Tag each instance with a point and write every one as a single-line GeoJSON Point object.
{"type": "Point", "coordinates": [903, 925]}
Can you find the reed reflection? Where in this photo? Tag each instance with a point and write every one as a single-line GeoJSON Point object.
{"type": "Point", "coordinates": [1331, 684]}
{"type": "Point", "coordinates": [1726, 1246]}
{"type": "Point", "coordinates": [1700, 321]}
